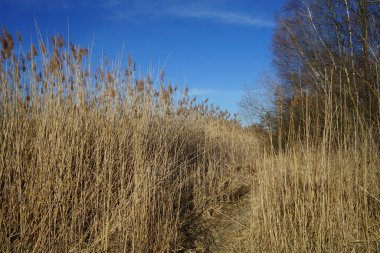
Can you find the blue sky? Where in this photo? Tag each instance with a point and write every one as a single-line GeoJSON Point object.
{"type": "Point", "coordinates": [216, 47]}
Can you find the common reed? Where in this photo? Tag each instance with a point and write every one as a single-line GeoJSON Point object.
{"type": "Point", "coordinates": [320, 191]}
{"type": "Point", "coordinates": [100, 160]}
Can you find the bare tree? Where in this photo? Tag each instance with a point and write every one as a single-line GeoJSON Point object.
{"type": "Point", "coordinates": [326, 50]}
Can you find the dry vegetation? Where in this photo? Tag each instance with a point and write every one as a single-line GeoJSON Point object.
{"type": "Point", "coordinates": [318, 201]}
{"type": "Point", "coordinates": [318, 187]}
{"type": "Point", "coordinates": [103, 160]}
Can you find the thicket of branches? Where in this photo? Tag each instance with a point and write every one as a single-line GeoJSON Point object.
{"type": "Point", "coordinates": [319, 189]}
{"type": "Point", "coordinates": [327, 57]}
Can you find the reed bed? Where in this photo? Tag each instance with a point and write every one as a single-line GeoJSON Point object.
{"type": "Point", "coordinates": [104, 159]}
{"type": "Point", "coordinates": [100, 160]}
{"type": "Point", "coordinates": [319, 193]}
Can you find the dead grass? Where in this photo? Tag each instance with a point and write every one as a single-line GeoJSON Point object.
{"type": "Point", "coordinates": [311, 201]}
{"type": "Point", "coordinates": [99, 160]}
{"type": "Point", "coordinates": [102, 161]}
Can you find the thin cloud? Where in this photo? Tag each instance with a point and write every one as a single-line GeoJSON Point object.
{"type": "Point", "coordinates": [225, 17]}
{"type": "Point", "coordinates": [207, 10]}
{"type": "Point", "coordinates": [112, 4]}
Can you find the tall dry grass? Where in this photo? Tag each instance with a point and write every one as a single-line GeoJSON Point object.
{"type": "Point", "coordinates": [311, 201]}
{"type": "Point", "coordinates": [321, 193]}
{"type": "Point", "coordinates": [101, 160]}
{"type": "Point", "coordinates": [105, 160]}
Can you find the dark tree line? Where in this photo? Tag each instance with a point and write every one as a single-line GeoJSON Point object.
{"type": "Point", "coordinates": [327, 57]}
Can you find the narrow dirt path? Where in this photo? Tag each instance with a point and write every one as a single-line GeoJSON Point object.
{"type": "Point", "coordinates": [231, 227]}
